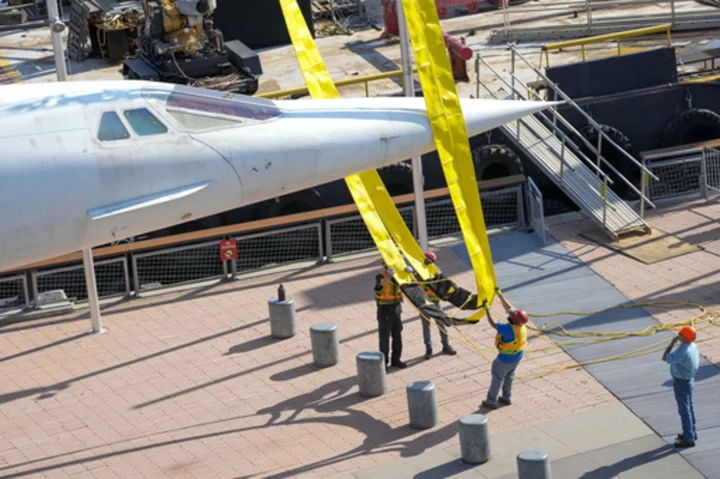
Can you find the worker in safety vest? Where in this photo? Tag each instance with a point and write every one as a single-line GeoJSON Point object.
{"type": "Point", "coordinates": [428, 324]}
{"type": "Point", "coordinates": [684, 363]}
{"type": "Point", "coordinates": [389, 310]}
{"type": "Point", "coordinates": [510, 343]}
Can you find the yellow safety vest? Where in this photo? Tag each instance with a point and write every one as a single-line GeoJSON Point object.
{"type": "Point", "coordinates": [515, 346]}
{"type": "Point", "coordinates": [390, 294]}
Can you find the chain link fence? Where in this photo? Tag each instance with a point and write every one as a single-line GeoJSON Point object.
{"type": "Point", "coordinates": [695, 175]}
{"type": "Point", "coordinates": [318, 240]}
{"type": "Point", "coordinates": [278, 247]}
{"type": "Point", "coordinates": [14, 292]}
{"type": "Point", "coordinates": [111, 276]}
{"type": "Point", "coordinates": [350, 235]}
{"type": "Point", "coordinates": [712, 169]}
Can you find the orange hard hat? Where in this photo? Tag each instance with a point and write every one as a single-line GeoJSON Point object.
{"type": "Point", "coordinates": [689, 333]}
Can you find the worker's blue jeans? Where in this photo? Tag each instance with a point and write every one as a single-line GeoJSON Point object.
{"type": "Point", "coordinates": [686, 407]}
{"type": "Point", "coordinates": [427, 326]}
{"type": "Point", "coordinates": [502, 375]}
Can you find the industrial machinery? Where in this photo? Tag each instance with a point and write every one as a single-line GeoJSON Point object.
{"type": "Point", "coordinates": [179, 44]}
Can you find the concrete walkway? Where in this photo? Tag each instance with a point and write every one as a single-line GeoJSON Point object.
{"type": "Point", "coordinates": [548, 279]}
{"type": "Point", "coordinates": [587, 445]}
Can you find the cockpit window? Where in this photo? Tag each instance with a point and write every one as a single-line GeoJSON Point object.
{"type": "Point", "coordinates": [221, 103]}
{"type": "Point", "coordinates": [144, 123]}
{"type": "Point", "coordinates": [112, 128]}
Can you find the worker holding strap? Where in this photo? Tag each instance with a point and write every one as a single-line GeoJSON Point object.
{"type": "Point", "coordinates": [510, 342]}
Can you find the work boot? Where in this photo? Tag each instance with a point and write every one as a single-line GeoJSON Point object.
{"type": "Point", "coordinates": [398, 364]}
{"type": "Point", "coordinates": [447, 349]}
{"type": "Point", "coordinates": [428, 353]}
{"type": "Point", "coordinates": [488, 405]}
{"type": "Point", "coordinates": [683, 443]}
{"type": "Point", "coordinates": [680, 436]}
{"type": "Point", "coordinates": [504, 401]}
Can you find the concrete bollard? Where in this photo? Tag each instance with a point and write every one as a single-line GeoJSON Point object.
{"type": "Point", "coordinates": [422, 405]}
{"type": "Point", "coordinates": [474, 438]}
{"type": "Point", "coordinates": [371, 373]}
{"type": "Point", "coordinates": [282, 318]}
{"type": "Point", "coordinates": [533, 464]}
{"type": "Point", "coordinates": [325, 345]}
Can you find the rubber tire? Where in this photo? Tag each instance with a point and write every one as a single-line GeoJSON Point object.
{"type": "Point", "coordinates": [692, 126]}
{"type": "Point", "coordinates": [628, 169]}
{"type": "Point", "coordinates": [496, 161]}
{"type": "Point", "coordinates": [298, 202]}
{"type": "Point", "coordinates": [398, 178]}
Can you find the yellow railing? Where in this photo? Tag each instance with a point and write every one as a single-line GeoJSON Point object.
{"type": "Point", "coordinates": [547, 48]}
{"type": "Point", "coordinates": [340, 83]}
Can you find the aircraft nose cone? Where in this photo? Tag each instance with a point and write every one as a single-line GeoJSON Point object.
{"type": "Point", "coordinates": [484, 115]}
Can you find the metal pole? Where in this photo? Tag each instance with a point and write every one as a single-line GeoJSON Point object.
{"type": "Point", "coordinates": [93, 301]}
{"type": "Point", "coordinates": [588, 10]}
{"type": "Point", "coordinates": [409, 83]}
{"type": "Point", "coordinates": [512, 73]}
{"type": "Point", "coordinates": [57, 27]}
{"type": "Point", "coordinates": [672, 15]}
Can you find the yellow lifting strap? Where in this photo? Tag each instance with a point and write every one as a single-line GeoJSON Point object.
{"type": "Point", "coordinates": [451, 139]}
{"type": "Point", "coordinates": [371, 197]}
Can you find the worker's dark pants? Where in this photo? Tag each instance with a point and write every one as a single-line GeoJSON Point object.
{"type": "Point", "coordinates": [390, 324]}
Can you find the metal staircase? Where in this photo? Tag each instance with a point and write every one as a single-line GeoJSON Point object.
{"type": "Point", "coordinates": [548, 145]}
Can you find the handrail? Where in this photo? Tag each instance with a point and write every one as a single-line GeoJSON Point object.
{"type": "Point", "coordinates": [585, 140]}
{"type": "Point", "coordinates": [590, 119]}
{"type": "Point", "coordinates": [251, 226]}
{"type": "Point", "coordinates": [366, 79]}
{"type": "Point", "coordinates": [617, 36]}
{"type": "Point", "coordinates": [493, 70]}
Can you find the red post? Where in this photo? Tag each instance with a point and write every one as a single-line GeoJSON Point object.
{"type": "Point", "coordinates": [390, 17]}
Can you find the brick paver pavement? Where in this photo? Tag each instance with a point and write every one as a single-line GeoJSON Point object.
{"type": "Point", "coordinates": [190, 384]}
{"type": "Point", "coordinates": [693, 277]}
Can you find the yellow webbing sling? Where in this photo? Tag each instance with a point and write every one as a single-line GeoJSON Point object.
{"type": "Point", "coordinates": [448, 127]}
{"type": "Point", "coordinates": [366, 188]}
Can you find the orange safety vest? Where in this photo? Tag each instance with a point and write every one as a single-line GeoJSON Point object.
{"type": "Point", "coordinates": [515, 346]}
{"type": "Point", "coordinates": [391, 294]}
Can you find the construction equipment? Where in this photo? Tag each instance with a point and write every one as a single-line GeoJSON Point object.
{"type": "Point", "coordinates": [179, 44]}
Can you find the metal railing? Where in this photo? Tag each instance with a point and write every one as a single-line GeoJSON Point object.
{"type": "Point", "coordinates": [112, 276]}
{"type": "Point", "coordinates": [318, 240]}
{"type": "Point", "coordinates": [537, 212]}
{"type": "Point", "coordinates": [695, 17]}
{"type": "Point", "coordinates": [684, 176]}
{"type": "Point", "coordinates": [366, 80]}
{"type": "Point", "coordinates": [616, 37]}
{"type": "Point", "coordinates": [14, 292]}
{"type": "Point", "coordinates": [555, 120]}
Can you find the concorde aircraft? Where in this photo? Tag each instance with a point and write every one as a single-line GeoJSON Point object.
{"type": "Point", "coordinates": [86, 163]}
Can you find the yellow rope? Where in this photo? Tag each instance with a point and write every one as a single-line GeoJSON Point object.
{"type": "Point", "coordinates": [702, 321]}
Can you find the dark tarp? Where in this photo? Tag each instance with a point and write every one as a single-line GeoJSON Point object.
{"type": "Point", "coordinates": [258, 24]}
{"type": "Point", "coordinates": [449, 291]}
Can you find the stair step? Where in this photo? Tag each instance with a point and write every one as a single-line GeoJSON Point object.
{"type": "Point", "coordinates": [578, 180]}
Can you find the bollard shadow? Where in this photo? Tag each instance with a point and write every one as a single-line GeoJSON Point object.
{"type": "Point", "coordinates": [295, 372]}
{"type": "Point", "coordinates": [449, 469]}
{"type": "Point", "coordinates": [251, 345]}
{"type": "Point", "coordinates": [626, 465]}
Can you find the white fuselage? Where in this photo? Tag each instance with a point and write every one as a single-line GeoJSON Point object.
{"type": "Point", "coordinates": [62, 188]}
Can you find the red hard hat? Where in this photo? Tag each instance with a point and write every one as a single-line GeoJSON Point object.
{"type": "Point", "coordinates": [431, 256]}
{"type": "Point", "coordinates": [689, 333]}
{"type": "Point", "coordinates": [519, 316]}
